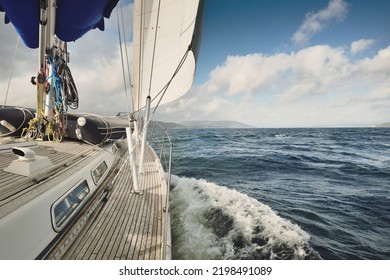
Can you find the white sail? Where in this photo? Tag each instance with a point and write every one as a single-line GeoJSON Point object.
{"type": "Point", "coordinates": [163, 32]}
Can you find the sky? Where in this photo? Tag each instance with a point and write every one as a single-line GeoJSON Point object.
{"type": "Point", "coordinates": [266, 63]}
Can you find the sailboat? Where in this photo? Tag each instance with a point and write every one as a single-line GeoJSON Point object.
{"type": "Point", "coordinates": [83, 186]}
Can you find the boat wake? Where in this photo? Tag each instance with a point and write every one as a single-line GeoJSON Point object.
{"type": "Point", "coordinates": [214, 222]}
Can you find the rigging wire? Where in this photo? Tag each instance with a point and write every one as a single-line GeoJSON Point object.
{"type": "Point", "coordinates": [165, 88]}
{"type": "Point", "coordinates": [11, 72]}
{"type": "Point", "coordinates": [127, 60]}
{"type": "Point", "coordinates": [146, 121]}
{"type": "Point", "coordinates": [154, 48]}
{"type": "Point", "coordinates": [123, 66]}
{"type": "Point", "coordinates": [162, 92]}
{"type": "Point", "coordinates": [140, 58]}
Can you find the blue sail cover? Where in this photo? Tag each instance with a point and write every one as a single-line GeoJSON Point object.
{"type": "Point", "coordinates": [74, 18]}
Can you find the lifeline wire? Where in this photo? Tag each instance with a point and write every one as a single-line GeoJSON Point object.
{"type": "Point", "coordinates": [11, 72]}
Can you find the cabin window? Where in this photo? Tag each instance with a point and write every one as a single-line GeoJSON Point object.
{"type": "Point", "coordinates": [99, 171]}
{"type": "Point", "coordinates": [67, 205]}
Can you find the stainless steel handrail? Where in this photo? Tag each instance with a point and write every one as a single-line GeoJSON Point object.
{"type": "Point", "coordinates": [165, 143]}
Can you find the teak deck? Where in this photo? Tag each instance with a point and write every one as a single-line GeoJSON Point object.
{"type": "Point", "coordinates": [130, 226]}
{"type": "Point", "coordinates": [126, 225]}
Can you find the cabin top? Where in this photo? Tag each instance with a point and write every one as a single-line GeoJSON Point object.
{"type": "Point", "coordinates": [16, 189]}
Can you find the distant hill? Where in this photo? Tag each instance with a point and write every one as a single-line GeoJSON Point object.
{"type": "Point", "coordinates": [214, 124]}
{"type": "Point", "coordinates": [201, 124]}
{"type": "Point", "coordinates": [384, 125]}
{"type": "Point", "coordinates": [166, 124]}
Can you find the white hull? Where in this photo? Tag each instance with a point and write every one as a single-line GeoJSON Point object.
{"type": "Point", "coordinates": [54, 209]}
{"type": "Point", "coordinates": [42, 215]}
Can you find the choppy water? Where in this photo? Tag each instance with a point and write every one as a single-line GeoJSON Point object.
{"type": "Point", "coordinates": [281, 193]}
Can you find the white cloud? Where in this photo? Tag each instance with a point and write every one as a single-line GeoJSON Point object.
{"type": "Point", "coordinates": [316, 22]}
{"type": "Point", "coordinates": [243, 78]}
{"type": "Point", "coordinates": [96, 68]}
{"type": "Point", "coordinates": [360, 45]}
{"type": "Point", "coordinates": [309, 70]}
{"type": "Point", "coordinates": [319, 85]}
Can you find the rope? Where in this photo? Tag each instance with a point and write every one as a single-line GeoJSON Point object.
{"type": "Point", "coordinates": [70, 90]}
{"type": "Point", "coordinates": [165, 88]}
{"type": "Point", "coordinates": [65, 89]}
{"type": "Point", "coordinates": [11, 72]}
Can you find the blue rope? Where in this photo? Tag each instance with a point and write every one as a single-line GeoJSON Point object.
{"type": "Point", "coordinates": [57, 83]}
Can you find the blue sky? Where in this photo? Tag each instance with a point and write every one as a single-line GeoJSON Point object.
{"type": "Point", "coordinates": [234, 27]}
{"type": "Point", "coordinates": [268, 63]}
{"type": "Point", "coordinates": [323, 63]}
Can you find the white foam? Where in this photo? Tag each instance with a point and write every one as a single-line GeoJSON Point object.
{"type": "Point", "coordinates": [257, 229]}
{"type": "Point", "coordinates": [281, 136]}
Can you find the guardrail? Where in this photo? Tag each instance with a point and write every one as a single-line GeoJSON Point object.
{"type": "Point", "coordinates": [160, 138]}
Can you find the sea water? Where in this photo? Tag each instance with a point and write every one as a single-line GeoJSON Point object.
{"type": "Point", "coordinates": [299, 193]}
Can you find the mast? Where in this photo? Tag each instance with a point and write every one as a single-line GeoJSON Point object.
{"type": "Point", "coordinates": [49, 50]}
{"type": "Point", "coordinates": [41, 77]}
{"type": "Point", "coordinates": [50, 103]}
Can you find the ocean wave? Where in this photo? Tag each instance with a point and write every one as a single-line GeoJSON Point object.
{"type": "Point", "coordinates": [215, 222]}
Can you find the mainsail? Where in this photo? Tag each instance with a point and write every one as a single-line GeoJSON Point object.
{"type": "Point", "coordinates": [166, 41]}
{"type": "Point", "coordinates": [165, 47]}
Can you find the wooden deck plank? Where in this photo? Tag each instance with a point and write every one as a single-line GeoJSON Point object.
{"type": "Point", "coordinates": [132, 234]}
{"type": "Point", "coordinates": [90, 249]}
{"type": "Point", "coordinates": [158, 219]}
{"type": "Point", "coordinates": [124, 241]}
{"type": "Point", "coordinates": [14, 185]}
{"type": "Point", "coordinates": [130, 224]}
{"type": "Point", "coordinates": [126, 220]}
{"type": "Point", "coordinates": [116, 223]}
{"type": "Point", "coordinates": [145, 249]}
{"type": "Point", "coordinates": [150, 181]}
{"type": "Point", "coordinates": [143, 220]}
{"type": "Point", "coordinates": [158, 223]}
